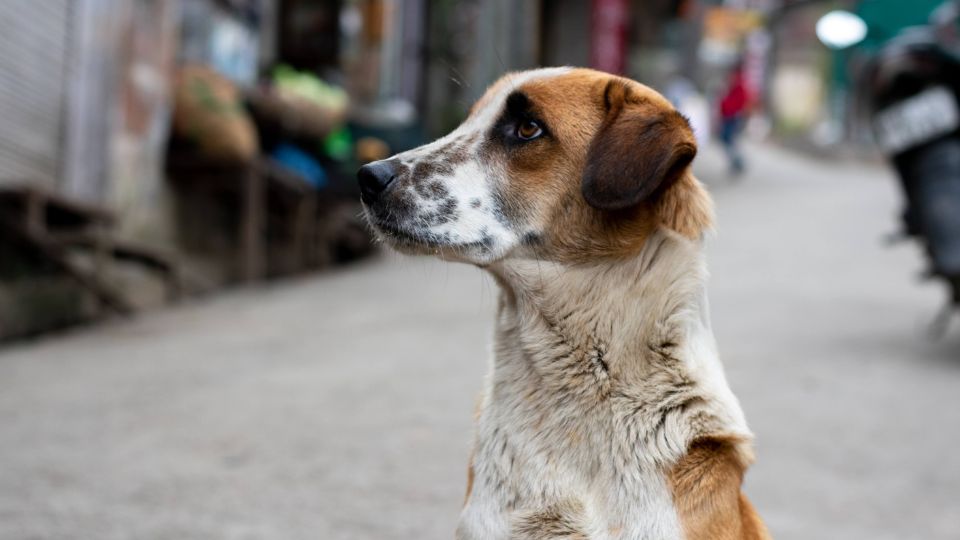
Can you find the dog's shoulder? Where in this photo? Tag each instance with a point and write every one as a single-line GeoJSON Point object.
{"type": "Point", "coordinates": [706, 489]}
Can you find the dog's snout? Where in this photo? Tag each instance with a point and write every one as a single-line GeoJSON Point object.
{"type": "Point", "coordinates": [375, 177]}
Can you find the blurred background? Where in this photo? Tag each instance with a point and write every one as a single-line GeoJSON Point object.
{"type": "Point", "coordinates": [198, 338]}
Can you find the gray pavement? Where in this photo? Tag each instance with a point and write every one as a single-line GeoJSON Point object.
{"type": "Point", "coordinates": [339, 407]}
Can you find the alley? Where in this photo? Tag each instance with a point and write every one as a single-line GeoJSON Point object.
{"type": "Point", "coordinates": [339, 406]}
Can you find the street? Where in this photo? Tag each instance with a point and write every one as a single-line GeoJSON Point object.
{"type": "Point", "coordinates": [340, 406]}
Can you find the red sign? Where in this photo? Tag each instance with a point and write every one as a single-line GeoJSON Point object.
{"type": "Point", "coordinates": [608, 35]}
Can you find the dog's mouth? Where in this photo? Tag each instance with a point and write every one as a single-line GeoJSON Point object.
{"type": "Point", "coordinates": [419, 242]}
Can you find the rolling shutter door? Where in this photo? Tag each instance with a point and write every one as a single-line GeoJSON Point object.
{"type": "Point", "coordinates": [33, 52]}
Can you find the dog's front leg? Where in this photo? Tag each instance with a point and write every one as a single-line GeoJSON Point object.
{"type": "Point", "coordinates": [557, 522]}
{"type": "Point", "coordinates": [493, 514]}
{"type": "Point", "coordinates": [483, 518]}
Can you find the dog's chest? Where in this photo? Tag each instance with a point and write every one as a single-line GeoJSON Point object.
{"type": "Point", "coordinates": [523, 491]}
{"type": "Point", "coordinates": [567, 449]}
{"type": "Point", "coordinates": [550, 464]}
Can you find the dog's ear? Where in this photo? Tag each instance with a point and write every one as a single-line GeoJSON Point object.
{"type": "Point", "coordinates": [640, 149]}
{"type": "Point", "coordinates": [685, 207]}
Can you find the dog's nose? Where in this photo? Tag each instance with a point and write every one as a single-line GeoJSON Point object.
{"type": "Point", "coordinates": [375, 177]}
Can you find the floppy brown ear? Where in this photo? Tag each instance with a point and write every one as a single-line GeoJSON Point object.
{"type": "Point", "coordinates": [639, 149]}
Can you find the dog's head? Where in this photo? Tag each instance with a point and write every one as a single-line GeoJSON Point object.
{"type": "Point", "coordinates": [561, 164]}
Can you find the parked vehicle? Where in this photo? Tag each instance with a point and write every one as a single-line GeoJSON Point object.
{"type": "Point", "coordinates": [912, 89]}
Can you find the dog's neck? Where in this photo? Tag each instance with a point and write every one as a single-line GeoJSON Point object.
{"type": "Point", "coordinates": [633, 332]}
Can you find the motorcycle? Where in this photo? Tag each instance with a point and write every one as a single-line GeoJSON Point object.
{"type": "Point", "coordinates": [912, 87]}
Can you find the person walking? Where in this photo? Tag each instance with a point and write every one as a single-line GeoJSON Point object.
{"type": "Point", "coordinates": [733, 114]}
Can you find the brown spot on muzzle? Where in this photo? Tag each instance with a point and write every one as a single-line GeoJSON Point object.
{"type": "Point", "coordinates": [425, 170]}
{"type": "Point", "coordinates": [445, 213]}
{"type": "Point", "coordinates": [430, 189]}
{"type": "Point", "coordinates": [457, 151]}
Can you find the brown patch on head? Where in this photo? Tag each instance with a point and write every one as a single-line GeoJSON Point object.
{"type": "Point", "coordinates": [706, 492]}
{"type": "Point", "coordinates": [611, 167]}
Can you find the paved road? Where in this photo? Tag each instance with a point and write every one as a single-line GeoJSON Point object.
{"type": "Point", "coordinates": [339, 407]}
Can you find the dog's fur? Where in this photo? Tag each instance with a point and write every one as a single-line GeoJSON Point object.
{"type": "Point", "coordinates": [606, 414]}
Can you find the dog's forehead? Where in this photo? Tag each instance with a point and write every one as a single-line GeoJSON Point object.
{"type": "Point", "coordinates": [489, 106]}
{"type": "Point", "coordinates": [563, 89]}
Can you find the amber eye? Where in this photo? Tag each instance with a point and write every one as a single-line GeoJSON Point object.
{"type": "Point", "coordinates": [528, 130]}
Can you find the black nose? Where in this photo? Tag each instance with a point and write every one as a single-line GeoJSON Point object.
{"type": "Point", "coordinates": [375, 177]}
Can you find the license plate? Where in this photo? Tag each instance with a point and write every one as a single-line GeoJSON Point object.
{"type": "Point", "coordinates": [916, 120]}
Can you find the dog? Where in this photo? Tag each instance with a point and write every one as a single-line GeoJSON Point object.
{"type": "Point", "coordinates": [606, 414]}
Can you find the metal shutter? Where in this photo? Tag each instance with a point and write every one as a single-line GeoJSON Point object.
{"type": "Point", "coordinates": [33, 51]}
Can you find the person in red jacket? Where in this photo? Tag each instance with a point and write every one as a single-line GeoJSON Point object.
{"type": "Point", "coordinates": [733, 114]}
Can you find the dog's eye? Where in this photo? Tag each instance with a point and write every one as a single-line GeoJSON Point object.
{"type": "Point", "coordinates": [528, 130]}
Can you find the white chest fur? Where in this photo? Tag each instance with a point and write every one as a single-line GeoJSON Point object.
{"type": "Point", "coordinates": [602, 376]}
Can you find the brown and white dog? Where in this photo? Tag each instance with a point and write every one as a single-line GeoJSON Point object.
{"type": "Point", "coordinates": [606, 414]}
